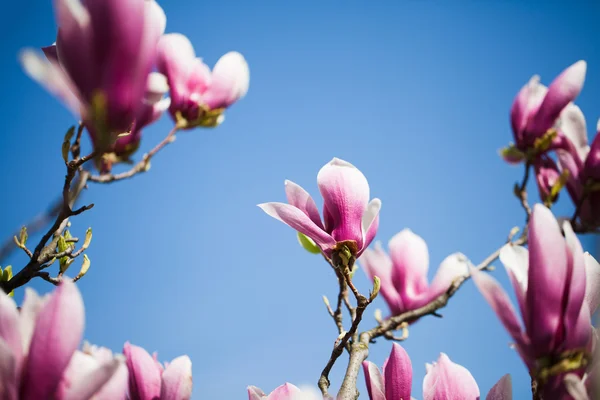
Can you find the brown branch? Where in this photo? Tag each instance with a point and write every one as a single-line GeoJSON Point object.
{"type": "Point", "coordinates": [142, 166]}
{"type": "Point", "coordinates": [45, 252]}
{"type": "Point", "coordinates": [521, 191]}
{"type": "Point", "coordinates": [361, 304]}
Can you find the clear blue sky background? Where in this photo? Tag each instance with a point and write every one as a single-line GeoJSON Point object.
{"type": "Point", "coordinates": [415, 93]}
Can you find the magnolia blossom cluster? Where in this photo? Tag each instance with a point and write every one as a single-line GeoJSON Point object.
{"type": "Point", "coordinates": [112, 65]}
{"type": "Point", "coordinates": [39, 356]}
{"type": "Point", "coordinates": [557, 285]}
{"type": "Point", "coordinates": [443, 380]}
{"type": "Point", "coordinates": [545, 121]}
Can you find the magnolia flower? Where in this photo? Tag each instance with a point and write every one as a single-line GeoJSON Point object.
{"type": "Point", "coordinates": [99, 361]}
{"type": "Point", "coordinates": [351, 220]}
{"type": "Point", "coordinates": [287, 391]}
{"type": "Point", "coordinates": [555, 299]}
{"type": "Point", "coordinates": [38, 357]}
{"type": "Point", "coordinates": [537, 109]}
{"type": "Point", "coordinates": [148, 380]}
{"type": "Point", "coordinates": [198, 95]}
{"type": "Point", "coordinates": [444, 380]}
{"type": "Point", "coordinates": [104, 51]}
{"type": "Point", "coordinates": [403, 274]}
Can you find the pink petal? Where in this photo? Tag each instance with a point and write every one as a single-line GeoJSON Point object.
{"type": "Point", "coordinates": [592, 281]}
{"type": "Point", "coordinates": [51, 76]}
{"type": "Point", "coordinates": [230, 81]}
{"type": "Point", "coordinates": [592, 162]}
{"type": "Point", "coordinates": [576, 288]}
{"type": "Point", "coordinates": [525, 104]}
{"type": "Point", "coordinates": [572, 125]}
{"type": "Point", "coordinates": [116, 388]}
{"type": "Point", "coordinates": [579, 334]}
{"type": "Point", "coordinates": [502, 390]}
{"type": "Point", "coordinates": [144, 375]}
{"type": "Point", "coordinates": [57, 335]}
{"type": "Point", "coordinates": [398, 374]}
{"type": "Point", "coordinates": [176, 59]}
{"type": "Point", "coordinates": [373, 381]}
{"type": "Point", "coordinates": [453, 266]}
{"type": "Point", "coordinates": [499, 301]}
{"type": "Point", "coordinates": [516, 263]}
{"type": "Point", "coordinates": [32, 305]}
{"type": "Point", "coordinates": [299, 221]}
{"type": "Point", "coordinates": [75, 45]}
{"type": "Point", "coordinates": [10, 332]}
{"type": "Point", "coordinates": [563, 90]}
{"type": "Point", "coordinates": [548, 273]}
{"type": "Point", "coordinates": [410, 259]}
{"type": "Point", "coordinates": [177, 380]}
{"type": "Point", "coordinates": [85, 377]}
{"type": "Point", "coordinates": [370, 223]}
{"type": "Point", "coordinates": [284, 392]}
{"type": "Point", "coordinates": [299, 198]}
{"type": "Point", "coordinates": [449, 381]}
{"type": "Point", "coordinates": [345, 191]}
{"type": "Point", "coordinates": [575, 387]}
{"type": "Point", "coordinates": [255, 393]}
{"type": "Point", "coordinates": [377, 263]}
{"type": "Point", "coordinates": [8, 373]}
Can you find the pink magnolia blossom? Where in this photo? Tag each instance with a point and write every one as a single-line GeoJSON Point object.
{"type": "Point", "coordinates": [38, 350]}
{"type": "Point", "coordinates": [444, 380]}
{"type": "Point", "coordinates": [349, 216]}
{"type": "Point", "coordinates": [403, 274]}
{"type": "Point", "coordinates": [536, 109]}
{"type": "Point", "coordinates": [104, 51]}
{"type": "Point", "coordinates": [149, 380]}
{"type": "Point", "coordinates": [287, 391]}
{"type": "Point", "coordinates": [555, 297]}
{"type": "Point", "coordinates": [198, 95]}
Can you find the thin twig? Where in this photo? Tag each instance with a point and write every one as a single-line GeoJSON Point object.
{"type": "Point", "coordinates": [521, 191]}
{"type": "Point", "coordinates": [141, 166]}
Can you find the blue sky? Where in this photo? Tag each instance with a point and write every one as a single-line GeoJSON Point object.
{"type": "Point", "coordinates": [416, 94]}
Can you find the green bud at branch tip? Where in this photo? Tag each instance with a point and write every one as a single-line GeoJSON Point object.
{"type": "Point", "coordinates": [376, 287]}
{"type": "Point", "coordinates": [326, 301]}
{"type": "Point", "coordinates": [88, 238]}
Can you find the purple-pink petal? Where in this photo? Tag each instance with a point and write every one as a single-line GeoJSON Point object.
{"type": "Point", "coordinates": [298, 220]}
{"type": "Point", "coordinates": [499, 301]}
{"type": "Point", "coordinates": [398, 374]}
{"type": "Point", "coordinates": [502, 390]}
{"type": "Point", "coordinates": [230, 81]}
{"type": "Point", "coordinates": [446, 380]}
{"type": "Point", "coordinates": [287, 391]}
{"type": "Point", "coordinates": [255, 393]}
{"type": "Point", "coordinates": [592, 281]}
{"type": "Point", "coordinates": [516, 263]}
{"type": "Point", "coordinates": [8, 373]}
{"type": "Point", "coordinates": [10, 332]}
{"type": "Point", "coordinates": [563, 90]}
{"type": "Point", "coordinates": [576, 287]}
{"type": "Point", "coordinates": [548, 274]}
{"type": "Point", "coordinates": [453, 266]}
{"type": "Point", "coordinates": [299, 198]}
{"type": "Point", "coordinates": [345, 192]}
{"type": "Point", "coordinates": [370, 223]}
{"type": "Point", "coordinates": [57, 335]}
{"type": "Point", "coordinates": [144, 375]}
{"type": "Point", "coordinates": [373, 381]}
{"type": "Point", "coordinates": [177, 380]}
{"type": "Point", "coordinates": [410, 258]}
